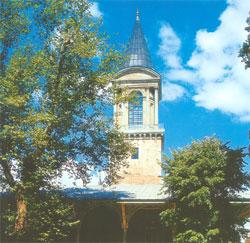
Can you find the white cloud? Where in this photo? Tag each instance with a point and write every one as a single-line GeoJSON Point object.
{"type": "Point", "coordinates": [169, 47]}
{"type": "Point", "coordinates": [171, 91]}
{"type": "Point", "coordinates": [95, 10]}
{"type": "Point", "coordinates": [168, 51]}
{"type": "Point", "coordinates": [214, 69]}
{"type": "Point", "coordinates": [182, 74]}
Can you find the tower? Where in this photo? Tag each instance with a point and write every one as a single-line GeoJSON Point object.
{"type": "Point", "coordinates": [138, 118]}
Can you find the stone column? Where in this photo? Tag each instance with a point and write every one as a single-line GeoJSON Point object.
{"type": "Point", "coordinates": [123, 115]}
{"type": "Point", "coordinates": [156, 107]}
{"type": "Point", "coordinates": [124, 236]}
{"type": "Point", "coordinates": [147, 115]}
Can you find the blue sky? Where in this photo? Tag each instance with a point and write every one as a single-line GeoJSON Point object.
{"type": "Point", "coordinates": [194, 46]}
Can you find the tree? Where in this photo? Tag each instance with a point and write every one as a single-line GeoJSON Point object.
{"type": "Point", "coordinates": [203, 179]}
{"type": "Point", "coordinates": [245, 50]}
{"type": "Point", "coordinates": [51, 217]}
{"type": "Point", "coordinates": [55, 70]}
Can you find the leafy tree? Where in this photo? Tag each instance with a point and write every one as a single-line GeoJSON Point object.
{"type": "Point", "coordinates": [245, 50]}
{"type": "Point", "coordinates": [50, 218]}
{"type": "Point", "coordinates": [203, 179]}
{"type": "Point", "coordinates": [55, 70]}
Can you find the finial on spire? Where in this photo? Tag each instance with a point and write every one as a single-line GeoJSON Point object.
{"type": "Point", "coordinates": [137, 15]}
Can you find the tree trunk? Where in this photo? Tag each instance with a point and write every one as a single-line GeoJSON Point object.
{"type": "Point", "coordinates": [21, 211]}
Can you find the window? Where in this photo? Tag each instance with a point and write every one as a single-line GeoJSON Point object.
{"type": "Point", "coordinates": [135, 154]}
{"type": "Point", "coordinates": [135, 109]}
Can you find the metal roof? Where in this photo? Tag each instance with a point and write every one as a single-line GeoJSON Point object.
{"type": "Point", "coordinates": [120, 192]}
{"type": "Point", "coordinates": [130, 193]}
{"type": "Point", "coordinates": [137, 49]}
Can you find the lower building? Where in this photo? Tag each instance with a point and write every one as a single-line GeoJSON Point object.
{"type": "Point", "coordinates": [121, 213]}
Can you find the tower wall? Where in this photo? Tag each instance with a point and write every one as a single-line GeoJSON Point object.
{"type": "Point", "coordinates": [147, 168]}
{"type": "Point", "coordinates": [146, 138]}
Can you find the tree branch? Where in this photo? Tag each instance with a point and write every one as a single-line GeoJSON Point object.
{"type": "Point", "coordinates": [3, 55]}
{"type": "Point", "coordinates": [7, 173]}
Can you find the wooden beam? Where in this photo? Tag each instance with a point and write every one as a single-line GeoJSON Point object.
{"type": "Point", "coordinates": [124, 223]}
{"type": "Point", "coordinates": [124, 216]}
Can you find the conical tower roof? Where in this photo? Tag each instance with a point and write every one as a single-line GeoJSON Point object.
{"type": "Point", "coordinates": [137, 50]}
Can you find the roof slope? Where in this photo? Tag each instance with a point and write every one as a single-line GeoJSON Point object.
{"type": "Point", "coordinates": [120, 192]}
{"type": "Point", "coordinates": [137, 51]}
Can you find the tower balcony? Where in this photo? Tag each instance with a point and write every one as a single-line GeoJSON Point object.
{"type": "Point", "coordinates": [157, 128]}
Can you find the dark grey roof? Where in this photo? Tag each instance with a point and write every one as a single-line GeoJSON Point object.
{"type": "Point", "coordinates": [137, 50]}
{"type": "Point", "coordinates": [120, 192]}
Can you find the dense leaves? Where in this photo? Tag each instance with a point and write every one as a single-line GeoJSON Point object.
{"type": "Point", "coordinates": [54, 97]}
{"type": "Point", "coordinates": [245, 50]}
{"type": "Point", "coordinates": [50, 218]}
{"type": "Point", "coordinates": [203, 179]}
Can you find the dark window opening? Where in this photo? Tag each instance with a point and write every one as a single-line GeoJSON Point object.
{"type": "Point", "coordinates": [135, 154]}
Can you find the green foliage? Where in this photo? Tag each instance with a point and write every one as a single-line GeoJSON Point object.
{"type": "Point", "coordinates": [203, 179]}
{"type": "Point", "coordinates": [50, 218]}
{"type": "Point", "coordinates": [55, 72]}
{"type": "Point", "coordinates": [245, 49]}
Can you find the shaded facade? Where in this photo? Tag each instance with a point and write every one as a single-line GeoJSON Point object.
{"type": "Point", "coordinates": [120, 213]}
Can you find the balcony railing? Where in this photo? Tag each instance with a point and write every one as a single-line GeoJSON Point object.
{"type": "Point", "coordinates": [144, 128]}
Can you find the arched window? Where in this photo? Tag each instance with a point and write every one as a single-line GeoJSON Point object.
{"type": "Point", "coordinates": [135, 109]}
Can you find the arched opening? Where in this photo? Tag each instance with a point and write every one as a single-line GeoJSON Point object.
{"type": "Point", "coordinates": [135, 110]}
{"type": "Point", "coordinates": [101, 224]}
{"type": "Point", "coordinates": [145, 226]}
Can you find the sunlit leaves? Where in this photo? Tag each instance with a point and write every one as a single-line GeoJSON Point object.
{"type": "Point", "coordinates": [202, 179]}
{"type": "Point", "coordinates": [245, 50]}
{"type": "Point", "coordinates": [56, 68]}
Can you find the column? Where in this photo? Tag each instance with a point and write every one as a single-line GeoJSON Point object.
{"type": "Point", "coordinates": [124, 236]}
{"type": "Point", "coordinates": [147, 114]}
{"type": "Point", "coordinates": [123, 115]}
{"type": "Point", "coordinates": [124, 223]}
{"type": "Point", "coordinates": [156, 107]}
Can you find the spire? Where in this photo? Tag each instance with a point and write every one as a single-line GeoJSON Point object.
{"type": "Point", "coordinates": [137, 50]}
{"type": "Point", "coordinates": [137, 15]}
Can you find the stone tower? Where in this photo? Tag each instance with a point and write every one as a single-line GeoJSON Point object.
{"type": "Point", "coordinates": [138, 118]}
